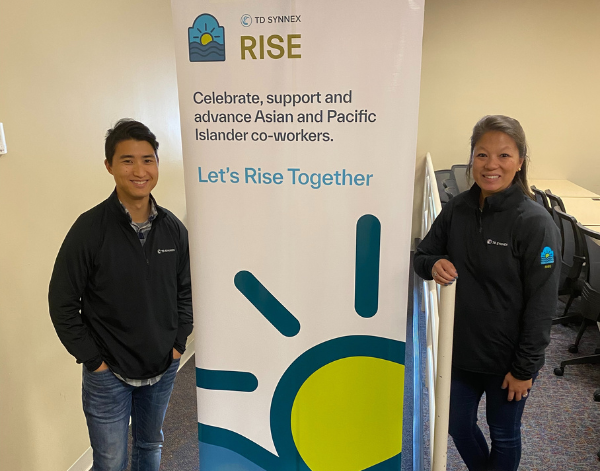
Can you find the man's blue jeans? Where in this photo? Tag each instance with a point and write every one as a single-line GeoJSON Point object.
{"type": "Point", "coordinates": [108, 403]}
{"type": "Point", "coordinates": [503, 417]}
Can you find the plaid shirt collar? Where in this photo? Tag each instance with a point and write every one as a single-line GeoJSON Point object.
{"type": "Point", "coordinates": [151, 216]}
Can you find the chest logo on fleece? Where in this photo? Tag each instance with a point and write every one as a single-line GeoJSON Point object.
{"type": "Point", "coordinates": [547, 256]}
{"type": "Point", "coordinates": [493, 242]}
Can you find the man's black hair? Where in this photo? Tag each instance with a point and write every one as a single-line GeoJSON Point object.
{"type": "Point", "coordinates": [124, 130]}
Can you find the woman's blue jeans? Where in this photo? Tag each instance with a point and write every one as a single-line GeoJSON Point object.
{"type": "Point", "coordinates": [108, 403]}
{"type": "Point", "coordinates": [503, 418]}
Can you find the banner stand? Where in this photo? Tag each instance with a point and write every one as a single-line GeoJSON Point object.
{"type": "Point", "coordinates": [299, 124]}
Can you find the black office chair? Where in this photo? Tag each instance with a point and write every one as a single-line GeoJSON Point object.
{"type": "Point", "coordinates": [555, 201]}
{"type": "Point", "coordinates": [573, 259]}
{"type": "Point", "coordinates": [440, 177]}
{"type": "Point", "coordinates": [590, 293]}
{"type": "Point", "coordinates": [451, 188]}
{"type": "Point", "coordinates": [460, 176]}
{"type": "Point", "coordinates": [541, 198]}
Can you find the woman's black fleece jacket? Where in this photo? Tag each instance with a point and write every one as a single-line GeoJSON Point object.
{"type": "Point", "coordinates": [508, 260]}
{"type": "Point", "coordinates": [112, 299]}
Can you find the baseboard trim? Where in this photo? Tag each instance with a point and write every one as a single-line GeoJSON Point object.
{"type": "Point", "coordinates": [85, 461]}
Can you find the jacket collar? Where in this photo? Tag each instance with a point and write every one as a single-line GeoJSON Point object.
{"type": "Point", "coordinates": [500, 201]}
{"type": "Point", "coordinates": [115, 205]}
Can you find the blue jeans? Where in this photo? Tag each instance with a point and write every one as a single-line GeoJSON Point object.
{"type": "Point", "coordinates": [108, 403]}
{"type": "Point", "coordinates": [503, 418]}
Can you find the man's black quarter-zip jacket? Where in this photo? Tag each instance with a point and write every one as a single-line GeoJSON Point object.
{"type": "Point", "coordinates": [113, 300]}
{"type": "Point", "coordinates": [507, 255]}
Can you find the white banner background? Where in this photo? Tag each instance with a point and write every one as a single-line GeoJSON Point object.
{"type": "Point", "coordinates": [298, 241]}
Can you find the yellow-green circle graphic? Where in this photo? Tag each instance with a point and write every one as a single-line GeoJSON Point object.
{"type": "Point", "coordinates": [338, 407]}
{"type": "Point", "coordinates": [347, 415]}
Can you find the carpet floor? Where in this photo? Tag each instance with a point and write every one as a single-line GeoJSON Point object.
{"type": "Point", "coordinates": [561, 422]}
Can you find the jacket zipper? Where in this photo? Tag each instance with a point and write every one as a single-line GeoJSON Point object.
{"type": "Point", "coordinates": [147, 243]}
{"type": "Point", "coordinates": [144, 249]}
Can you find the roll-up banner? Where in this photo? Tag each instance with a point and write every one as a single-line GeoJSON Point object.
{"type": "Point", "coordinates": [299, 125]}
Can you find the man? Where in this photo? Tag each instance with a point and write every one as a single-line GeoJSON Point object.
{"type": "Point", "coordinates": [120, 301]}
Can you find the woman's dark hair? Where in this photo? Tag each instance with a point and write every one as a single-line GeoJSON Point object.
{"type": "Point", "coordinates": [512, 128]}
{"type": "Point", "coordinates": [124, 130]}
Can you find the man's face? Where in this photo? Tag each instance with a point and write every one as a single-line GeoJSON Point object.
{"type": "Point", "coordinates": [135, 169]}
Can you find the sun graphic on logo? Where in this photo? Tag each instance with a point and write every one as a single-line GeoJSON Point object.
{"type": "Point", "coordinates": [206, 38]}
{"type": "Point", "coordinates": [338, 406]}
{"type": "Point", "coordinates": [205, 30]}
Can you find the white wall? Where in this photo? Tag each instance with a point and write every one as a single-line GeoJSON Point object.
{"type": "Point", "coordinates": [68, 70]}
{"type": "Point", "coordinates": [534, 60]}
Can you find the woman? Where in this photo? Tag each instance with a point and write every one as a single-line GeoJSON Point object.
{"type": "Point", "coordinates": [506, 249]}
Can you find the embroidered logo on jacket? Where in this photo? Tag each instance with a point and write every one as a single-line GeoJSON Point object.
{"type": "Point", "coordinates": [493, 242]}
{"type": "Point", "coordinates": [165, 250]}
{"type": "Point", "coordinates": [547, 256]}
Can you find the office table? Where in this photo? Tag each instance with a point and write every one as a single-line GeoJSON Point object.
{"type": "Point", "coordinates": [597, 229]}
{"type": "Point", "coordinates": [585, 210]}
{"type": "Point", "coordinates": [563, 188]}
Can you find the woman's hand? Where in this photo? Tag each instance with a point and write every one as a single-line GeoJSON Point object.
{"type": "Point", "coordinates": [517, 388]}
{"type": "Point", "coordinates": [443, 272]}
{"type": "Point", "coordinates": [176, 354]}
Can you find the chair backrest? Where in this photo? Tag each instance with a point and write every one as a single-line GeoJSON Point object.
{"type": "Point", "coordinates": [451, 188]}
{"type": "Point", "coordinates": [590, 293]}
{"type": "Point", "coordinates": [573, 254]}
{"type": "Point", "coordinates": [451, 192]}
{"type": "Point", "coordinates": [555, 201]}
{"type": "Point", "coordinates": [440, 177]}
{"type": "Point", "coordinates": [460, 175]}
{"type": "Point", "coordinates": [541, 198]}
{"type": "Point", "coordinates": [591, 249]}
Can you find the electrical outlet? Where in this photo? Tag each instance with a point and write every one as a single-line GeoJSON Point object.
{"type": "Point", "coordinates": [2, 140]}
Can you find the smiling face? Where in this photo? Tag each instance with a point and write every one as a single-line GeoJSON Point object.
{"type": "Point", "coordinates": [496, 160]}
{"type": "Point", "coordinates": [135, 169]}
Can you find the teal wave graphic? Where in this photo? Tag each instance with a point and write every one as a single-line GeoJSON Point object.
{"type": "Point", "coordinates": [212, 52]}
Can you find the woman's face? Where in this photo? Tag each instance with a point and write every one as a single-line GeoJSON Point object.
{"type": "Point", "coordinates": [495, 162]}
